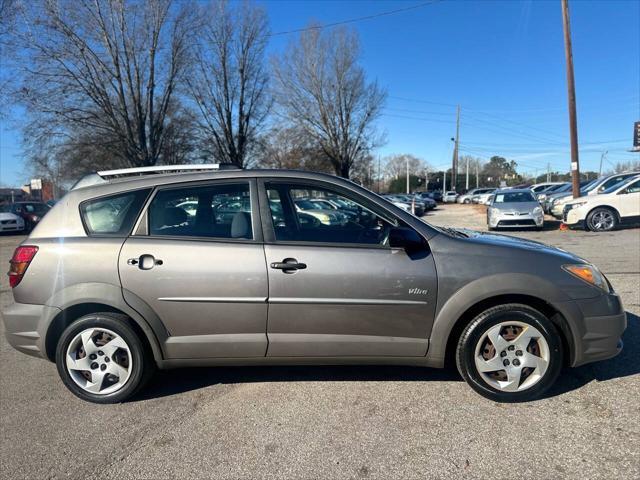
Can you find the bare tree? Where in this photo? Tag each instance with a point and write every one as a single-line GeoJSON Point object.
{"type": "Point", "coordinates": [229, 84]}
{"type": "Point", "coordinates": [321, 88]}
{"type": "Point", "coordinates": [291, 148]}
{"type": "Point", "coordinates": [105, 72]}
{"type": "Point", "coordinates": [396, 165]}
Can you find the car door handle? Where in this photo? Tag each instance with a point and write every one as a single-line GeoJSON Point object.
{"type": "Point", "coordinates": [289, 265]}
{"type": "Point", "coordinates": [145, 262]}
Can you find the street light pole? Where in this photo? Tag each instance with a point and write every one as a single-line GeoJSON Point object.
{"type": "Point", "coordinates": [571, 90]}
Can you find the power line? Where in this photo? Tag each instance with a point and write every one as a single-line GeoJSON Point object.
{"type": "Point", "coordinates": [354, 20]}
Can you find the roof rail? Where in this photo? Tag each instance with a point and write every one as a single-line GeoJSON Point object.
{"type": "Point", "coordinates": [127, 172]}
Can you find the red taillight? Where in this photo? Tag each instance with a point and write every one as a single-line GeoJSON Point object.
{"type": "Point", "coordinates": [19, 263]}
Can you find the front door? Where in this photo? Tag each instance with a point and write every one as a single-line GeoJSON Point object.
{"type": "Point", "coordinates": [200, 267]}
{"type": "Point", "coordinates": [336, 288]}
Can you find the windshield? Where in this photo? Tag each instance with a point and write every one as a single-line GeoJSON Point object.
{"type": "Point", "coordinates": [514, 197]}
{"type": "Point", "coordinates": [5, 208]}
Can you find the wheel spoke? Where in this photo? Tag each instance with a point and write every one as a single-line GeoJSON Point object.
{"type": "Point", "coordinates": [118, 370]}
{"type": "Point", "coordinates": [492, 365]}
{"type": "Point", "coordinates": [110, 347]}
{"type": "Point", "coordinates": [78, 363]}
{"type": "Point", "coordinates": [499, 343]}
{"type": "Point", "coordinates": [533, 361]}
{"type": "Point", "coordinates": [513, 380]}
{"type": "Point", "coordinates": [97, 378]}
{"type": "Point", "coordinates": [527, 334]}
{"type": "Point", "coordinates": [87, 342]}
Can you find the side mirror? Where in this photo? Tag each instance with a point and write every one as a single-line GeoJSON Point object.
{"type": "Point", "coordinates": [407, 238]}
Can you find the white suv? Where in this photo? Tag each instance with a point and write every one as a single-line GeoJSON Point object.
{"type": "Point", "coordinates": [600, 213]}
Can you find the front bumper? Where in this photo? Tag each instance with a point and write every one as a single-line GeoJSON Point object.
{"type": "Point", "coordinates": [597, 325]}
{"type": "Point", "coordinates": [26, 327]}
{"type": "Point", "coordinates": [515, 221]}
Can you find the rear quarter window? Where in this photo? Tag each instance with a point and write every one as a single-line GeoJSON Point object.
{"type": "Point", "coordinates": [112, 215]}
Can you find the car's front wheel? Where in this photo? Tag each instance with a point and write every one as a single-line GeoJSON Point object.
{"type": "Point", "coordinates": [602, 220]}
{"type": "Point", "coordinates": [510, 353]}
{"type": "Point", "coordinates": [101, 359]}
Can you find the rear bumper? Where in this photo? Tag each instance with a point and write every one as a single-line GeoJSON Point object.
{"type": "Point", "coordinates": [26, 327]}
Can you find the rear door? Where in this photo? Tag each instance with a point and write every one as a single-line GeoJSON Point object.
{"type": "Point", "coordinates": [197, 260]}
{"type": "Point", "coordinates": [336, 289]}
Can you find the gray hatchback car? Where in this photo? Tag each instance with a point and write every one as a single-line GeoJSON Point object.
{"type": "Point", "coordinates": [150, 268]}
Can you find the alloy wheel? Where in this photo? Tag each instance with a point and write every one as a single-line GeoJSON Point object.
{"type": "Point", "coordinates": [602, 220]}
{"type": "Point", "coordinates": [99, 361]}
{"type": "Point", "coordinates": [512, 356]}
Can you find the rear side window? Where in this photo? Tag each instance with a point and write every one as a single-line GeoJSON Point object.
{"type": "Point", "coordinates": [113, 215]}
{"type": "Point", "coordinates": [214, 211]}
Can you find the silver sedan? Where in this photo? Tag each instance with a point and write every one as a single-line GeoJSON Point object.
{"type": "Point", "coordinates": [514, 209]}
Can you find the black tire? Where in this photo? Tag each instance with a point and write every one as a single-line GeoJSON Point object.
{"type": "Point", "coordinates": [466, 200]}
{"type": "Point", "coordinates": [473, 333]}
{"type": "Point", "coordinates": [595, 224]}
{"type": "Point", "coordinates": [143, 363]}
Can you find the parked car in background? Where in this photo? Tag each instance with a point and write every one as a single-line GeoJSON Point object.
{"type": "Point", "coordinates": [483, 197]}
{"type": "Point", "coordinates": [539, 187]}
{"type": "Point", "coordinates": [562, 192]}
{"type": "Point", "coordinates": [514, 209]}
{"type": "Point", "coordinates": [619, 204]}
{"type": "Point", "coordinates": [449, 197]}
{"type": "Point", "coordinates": [326, 216]}
{"type": "Point", "coordinates": [10, 222]}
{"type": "Point", "coordinates": [400, 202]}
{"type": "Point", "coordinates": [30, 212]}
{"type": "Point", "coordinates": [466, 197]}
{"type": "Point", "coordinates": [598, 186]}
{"type": "Point", "coordinates": [416, 206]}
{"type": "Point", "coordinates": [541, 195]}
{"type": "Point", "coordinates": [137, 284]}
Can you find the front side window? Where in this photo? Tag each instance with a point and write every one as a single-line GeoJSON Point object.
{"type": "Point", "coordinates": [214, 211]}
{"type": "Point", "coordinates": [633, 188]}
{"type": "Point", "coordinates": [315, 214]}
{"type": "Point", "coordinates": [112, 215]}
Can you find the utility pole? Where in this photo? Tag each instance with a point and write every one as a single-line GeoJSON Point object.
{"type": "Point", "coordinates": [604, 154]}
{"type": "Point", "coordinates": [407, 174]}
{"type": "Point", "coordinates": [548, 172]}
{"type": "Point", "coordinates": [571, 90]}
{"type": "Point", "coordinates": [467, 181]}
{"type": "Point", "coordinates": [426, 179]}
{"type": "Point", "coordinates": [454, 170]}
{"type": "Point", "coordinates": [444, 186]}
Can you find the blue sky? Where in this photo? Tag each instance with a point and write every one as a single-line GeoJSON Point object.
{"type": "Point", "coordinates": [502, 61]}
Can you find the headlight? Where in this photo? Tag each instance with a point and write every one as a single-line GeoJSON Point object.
{"type": "Point", "coordinates": [589, 274]}
{"type": "Point", "coordinates": [542, 196]}
{"type": "Point", "coordinates": [537, 211]}
{"type": "Point", "coordinates": [574, 205]}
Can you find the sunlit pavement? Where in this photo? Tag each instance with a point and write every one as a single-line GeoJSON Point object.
{"type": "Point", "coordinates": [336, 422]}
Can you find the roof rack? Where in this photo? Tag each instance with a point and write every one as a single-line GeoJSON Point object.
{"type": "Point", "coordinates": [127, 172]}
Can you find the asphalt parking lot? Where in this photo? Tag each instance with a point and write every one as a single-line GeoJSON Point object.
{"type": "Point", "coordinates": [336, 422]}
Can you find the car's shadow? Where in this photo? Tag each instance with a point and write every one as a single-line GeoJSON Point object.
{"type": "Point", "coordinates": [172, 382]}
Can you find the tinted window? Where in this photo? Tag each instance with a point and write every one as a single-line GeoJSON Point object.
{"type": "Point", "coordinates": [112, 215]}
{"type": "Point", "coordinates": [514, 197]}
{"type": "Point", "coordinates": [296, 217]}
{"type": "Point", "coordinates": [215, 211]}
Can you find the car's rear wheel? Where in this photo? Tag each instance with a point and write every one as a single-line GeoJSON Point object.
{"type": "Point", "coordinates": [510, 353]}
{"type": "Point", "coordinates": [101, 359]}
{"type": "Point", "coordinates": [602, 220]}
